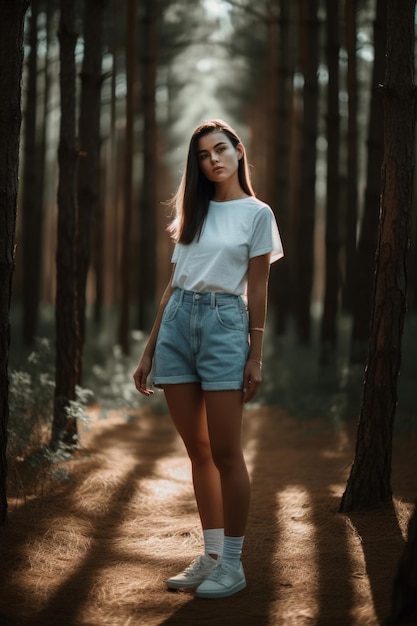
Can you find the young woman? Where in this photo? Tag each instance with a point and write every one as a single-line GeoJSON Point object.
{"type": "Point", "coordinates": [206, 343]}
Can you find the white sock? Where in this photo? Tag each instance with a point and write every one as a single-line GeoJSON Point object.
{"type": "Point", "coordinates": [213, 541]}
{"type": "Point", "coordinates": [232, 551]}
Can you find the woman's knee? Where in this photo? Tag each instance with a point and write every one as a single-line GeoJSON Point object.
{"type": "Point", "coordinates": [228, 459]}
{"type": "Point", "coordinates": [199, 452]}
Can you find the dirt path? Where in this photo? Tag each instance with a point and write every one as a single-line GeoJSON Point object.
{"type": "Point", "coordinates": [94, 550]}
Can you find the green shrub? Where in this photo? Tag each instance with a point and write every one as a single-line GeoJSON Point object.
{"type": "Point", "coordinates": [31, 399]}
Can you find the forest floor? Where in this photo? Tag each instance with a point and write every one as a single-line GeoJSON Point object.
{"type": "Point", "coordinates": [93, 543]}
{"type": "Point", "coordinates": [91, 539]}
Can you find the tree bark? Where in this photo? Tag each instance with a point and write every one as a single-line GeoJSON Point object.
{"type": "Point", "coordinates": [370, 478]}
{"type": "Point", "coordinates": [309, 45]}
{"type": "Point", "coordinates": [89, 158]}
{"type": "Point", "coordinates": [332, 261]}
{"type": "Point", "coordinates": [412, 257]}
{"type": "Point", "coordinates": [125, 263]}
{"type": "Point", "coordinates": [270, 120]}
{"type": "Point", "coordinates": [365, 256]}
{"type": "Point", "coordinates": [32, 198]}
{"type": "Point", "coordinates": [404, 598]}
{"type": "Point", "coordinates": [148, 209]}
{"type": "Point", "coordinates": [64, 427]}
{"type": "Point", "coordinates": [352, 155]}
{"type": "Point", "coordinates": [280, 191]}
{"type": "Point", "coordinates": [11, 64]}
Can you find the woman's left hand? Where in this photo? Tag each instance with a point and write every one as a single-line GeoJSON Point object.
{"type": "Point", "coordinates": [141, 374]}
{"type": "Point", "coordinates": [252, 379]}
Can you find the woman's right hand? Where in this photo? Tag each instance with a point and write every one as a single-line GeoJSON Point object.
{"type": "Point", "coordinates": [141, 374]}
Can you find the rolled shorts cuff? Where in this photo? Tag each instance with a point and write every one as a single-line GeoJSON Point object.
{"type": "Point", "coordinates": [222, 385]}
{"type": "Point", "coordinates": [174, 380]}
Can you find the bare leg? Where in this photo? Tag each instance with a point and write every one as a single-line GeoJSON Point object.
{"type": "Point", "coordinates": [187, 407]}
{"type": "Point", "coordinates": [224, 418]}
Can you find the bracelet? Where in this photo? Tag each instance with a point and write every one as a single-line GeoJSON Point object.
{"type": "Point", "coordinates": [261, 330]}
{"type": "Point", "coordinates": [255, 361]}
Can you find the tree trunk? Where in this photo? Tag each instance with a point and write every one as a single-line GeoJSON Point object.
{"type": "Point", "coordinates": [11, 64]}
{"type": "Point", "coordinates": [413, 261]}
{"type": "Point", "coordinates": [370, 478]}
{"type": "Point", "coordinates": [309, 46]}
{"type": "Point", "coordinates": [109, 214]}
{"type": "Point", "coordinates": [89, 158]}
{"type": "Point", "coordinates": [125, 264]}
{"type": "Point", "coordinates": [352, 155]}
{"type": "Point", "coordinates": [270, 118]}
{"type": "Point", "coordinates": [365, 256]}
{"type": "Point", "coordinates": [148, 210]}
{"type": "Point", "coordinates": [404, 600]}
{"type": "Point", "coordinates": [332, 261]}
{"type": "Point", "coordinates": [42, 147]}
{"type": "Point", "coordinates": [116, 193]}
{"type": "Point", "coordinates": [280, 279]}
{"type": "Point", "coordinates": [64, 427]}
{"type": "Point", "coordinates": [412, 256]}
{"type": "Point", "coordinates": [31, 198]}
{"type": "Point", "coordinates": [98, 245]}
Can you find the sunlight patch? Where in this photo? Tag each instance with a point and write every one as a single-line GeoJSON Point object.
{"type": "Point", "coordinates": [296, 534]}
{"type": "Point", "coordinates": [337, 491]}
{"type": "Point", "coordinates": [363, 600]}
{"type": "Point", "coordinates": [403, 512]}
{"type": "Point", "coordinates": [171, 480]}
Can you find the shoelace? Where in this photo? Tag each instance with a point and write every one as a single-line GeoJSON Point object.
{"type": "Point", "coordinates": [217, 572]}
{"type": "Point", "coordinates": [192, 567]}
{"type": "Point", "coordinates": [195, 565]}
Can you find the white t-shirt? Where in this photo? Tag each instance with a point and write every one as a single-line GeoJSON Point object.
{"type": "Point", "coordinates": [234, 232]}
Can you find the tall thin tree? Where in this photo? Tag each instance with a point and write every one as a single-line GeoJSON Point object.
{"type": "Point", "coordinates": [31, 196]}
{"type": "Point", "coordinates": [309, 48]}
{"type": "Point", "coordinates": [283, 57]}
{"type": "Point", "coordinates": [148, 205]}
{"type": "Point", "coordinates": [332, 237]}
{"type": "Point", "coordinates": [365, 255]}
{"type": "Point", "coordinates": [126, 254]}
{"type": "Point", "coordinates": [11, 64]}
{"type": "Point", "coordinates": [352, 197]}
{"type": "Point", "coordinates": [370, 477]}
{"type": "Point", "coordinates": [89, 157]}
{"type": "Point", "coordinates": [64, 427]}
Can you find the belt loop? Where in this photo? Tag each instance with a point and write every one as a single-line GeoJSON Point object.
{"type": "Point", "coordinates": [181, 298]}
{"type": "Point", "coordinates": [212, 299]}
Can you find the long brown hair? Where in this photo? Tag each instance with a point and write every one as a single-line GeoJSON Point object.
{"type": "Point", "coordinates": [195, 191]}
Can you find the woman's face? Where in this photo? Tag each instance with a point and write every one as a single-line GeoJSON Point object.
{"type": "Point", "coordinates": [218, 157]}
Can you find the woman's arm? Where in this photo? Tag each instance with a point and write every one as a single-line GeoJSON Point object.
{"type": "Point", "coordinates": [257, 293]}
{"type": "Point", "coordinates": [145, 365]}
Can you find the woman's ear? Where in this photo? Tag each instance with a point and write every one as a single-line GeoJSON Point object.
{"type": "Point", "coordinates": [239, 150]}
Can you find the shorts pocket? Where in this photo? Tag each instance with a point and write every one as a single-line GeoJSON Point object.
{"type": "Point", "coordinates": [232, 315]}
{"type": "Point", "coordinates": [170, 310]}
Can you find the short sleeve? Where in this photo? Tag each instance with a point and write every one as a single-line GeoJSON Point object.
{"type": "Point", "coordinates": [265, 235]}
{"type": "Point", "coordinates": [175, 253]}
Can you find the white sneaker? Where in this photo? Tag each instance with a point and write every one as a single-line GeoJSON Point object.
{"type": "Point", "coordinates": [223, 580]}
{"type": "Point", "coordinates": [194, 574]}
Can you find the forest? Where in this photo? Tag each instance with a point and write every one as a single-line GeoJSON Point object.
{"type": "Point", "coordinates": [99, 99]}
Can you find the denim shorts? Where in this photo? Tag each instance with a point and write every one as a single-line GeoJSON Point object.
{"type": "Point", "coordinates": [203, 338]}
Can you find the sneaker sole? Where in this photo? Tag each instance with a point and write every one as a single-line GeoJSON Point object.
{"type": "Point", "coordinates": [181, 585]}
{"type": "Point", "coordinates": [221, 593]}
